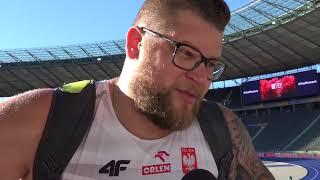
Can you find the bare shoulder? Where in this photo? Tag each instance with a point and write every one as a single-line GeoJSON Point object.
{"type": "Point", "coordinates": [28, 107]}
{"type": "Point", "coordinates": [22, 119]}
{"type": "Point", "coordinates": [244, 151]}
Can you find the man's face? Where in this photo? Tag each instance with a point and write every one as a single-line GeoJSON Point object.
{"type": "Point", "coordinates": [167, 95]}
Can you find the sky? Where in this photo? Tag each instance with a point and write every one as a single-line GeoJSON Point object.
{"type": "Point", "coordinates": [49, 23]}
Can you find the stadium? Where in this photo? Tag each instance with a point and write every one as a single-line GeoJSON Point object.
{"type": "Point", "coordinates": [272, 53]}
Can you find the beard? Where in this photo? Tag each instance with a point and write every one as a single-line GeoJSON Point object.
{"type": "Point", "coordinates": [156, 104]}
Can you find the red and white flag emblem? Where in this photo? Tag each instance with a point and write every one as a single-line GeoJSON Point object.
{"type": "Point", "coordinates": [189, 159]}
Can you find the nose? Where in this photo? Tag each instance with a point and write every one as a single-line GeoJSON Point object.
{"type": "Point", "coordinates": [199, 74]}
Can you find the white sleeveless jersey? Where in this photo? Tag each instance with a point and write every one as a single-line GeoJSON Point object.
{"type": "Point", "coordinates": [110, 152]}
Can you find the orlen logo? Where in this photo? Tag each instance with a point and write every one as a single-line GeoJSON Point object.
{"type": "Point", "coordinates": [161, 155]}
{"type": "Point", "coordinates": [158, 168]}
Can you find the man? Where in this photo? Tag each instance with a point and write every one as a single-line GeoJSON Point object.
{"type": "Point", "coordinates": [145, 123]}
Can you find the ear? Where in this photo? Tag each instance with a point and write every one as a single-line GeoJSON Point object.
{"type": "Point", "coordinates": [134, 37]}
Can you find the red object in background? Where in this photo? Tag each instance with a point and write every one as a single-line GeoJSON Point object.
{"type": "Point", "coordinates": [277, 87]}
{"type": "Point", "coordinates": [265, 89]}
{"type": "Point", "coordinates": [289, 84]}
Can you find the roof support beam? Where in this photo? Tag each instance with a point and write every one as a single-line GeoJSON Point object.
{"type": "Point", "coordinates": [74, 59]}
{"type": "Point", "coordinates": [267, 15]}
{"type": "Point", "coordinates": [42, 67]}
{"type": "Point", "coordinates": [270, 16]}
{"type": "Point", "coordinates": [5, 93]}
{"type": "Point", "coordinates": [49, 71]}
{"type": "Point", "coordinates": [58, 60]}
{"type": "Point", "coordinates": [249, 58]}
{"type": "Point", "coordinates": [33, 56]}
{"type": "Point", "coordinates": [14, 57]}
{"type": "Point", "coordinates": [315, 3]}
{"type": "Point", "coordinates": [250, 21]}
{"type": "Point", "coordinates": [91, 57]}
{"type": "Point", "coordinates": [106, 53]}
{"type": "Point", "coordinates": [45, 83]}
{"type": "Point", "coordinates": [108, 73]}
{"type": "Point", "coordinates": [21, 80]}
{"type": "Point", "coordinates": [275, 39]}
{"type": "Point", "coordinates": [290, 49]}
{"type": "Point", "coordinates": [12, 85]}
{"type": "Point", "coordinates": [256, 44]}
{"type": "Point", "coordinates": [237, 29]}
{"type": "Point", "coordinates": [123, 51]}
{"type": "Point", "coordinates": [120, 48]}
{"type": "Point", "coordinates": [60, 81]}
{"type": "Point", "coordinates": [298, 1]}
{"type": "Point", "coordinates": [114, 62]}
{"type": "Point", "coordinates": [235, 66]}
{"type": "Point", "coordinates": [234, 80]}
{"type": "Point", "coordinates": [304, 20]}
{"type": "Point", "coordinates": [284, 65]}
{"type": "Point", "coordinates": [52, 55]}
{"type": "Point", "coordinates": [278, 6]}
{"type": "Point", "coordinates": [305, 38]}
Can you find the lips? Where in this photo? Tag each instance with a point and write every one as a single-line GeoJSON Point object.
{"type": "Point", "coordinates": [187, 95]}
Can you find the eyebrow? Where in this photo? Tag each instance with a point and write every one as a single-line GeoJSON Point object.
{"type": "Point", "coordinates": [191, 45]}
{"type": "Point", "coordinates": [172, 38]}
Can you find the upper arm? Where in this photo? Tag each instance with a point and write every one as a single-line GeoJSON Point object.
{"type": "Point", "coordinates": [22, 119]}
{"type": "Point", "coordinates": [245, 152]}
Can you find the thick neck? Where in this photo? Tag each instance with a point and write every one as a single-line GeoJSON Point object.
{"type": "Point", "coordinates": [131, 119]}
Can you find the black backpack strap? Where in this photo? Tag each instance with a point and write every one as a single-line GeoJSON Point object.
{"type": "Point", "coordinates": [216, 133]}
{"type": "Point", "coordinates": [70, 117]}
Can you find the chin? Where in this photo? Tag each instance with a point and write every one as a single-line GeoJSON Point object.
{"type": "Point", "coordinates": [184, 109]}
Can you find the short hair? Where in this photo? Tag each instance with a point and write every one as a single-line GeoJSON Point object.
{"type": "Point", "coordinates": [215, 12]}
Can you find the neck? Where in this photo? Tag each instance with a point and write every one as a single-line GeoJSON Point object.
{"type": "Point", "coordinates": [133, 120]}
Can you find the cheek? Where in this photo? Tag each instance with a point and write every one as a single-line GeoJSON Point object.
{"type": "Point", "coordinates": [167, 74]}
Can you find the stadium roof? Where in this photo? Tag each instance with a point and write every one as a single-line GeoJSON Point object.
{"type": "Point", "coordinates": [262, 37]}
{"type": "Point", "coordinates": [259, 12]}
{"type": "Point", "coordinates": [288, 39]}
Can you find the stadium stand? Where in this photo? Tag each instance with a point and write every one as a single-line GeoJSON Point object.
{"type": "Point", "coordinates": [281, 128]}
{"type": "Point", "coordinates": [309, 140]}
{"type": "Point", "coordinates": [286, 125]}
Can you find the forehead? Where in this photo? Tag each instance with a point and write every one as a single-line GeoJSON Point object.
{"type": "Point", "coordinates": [191, 29]}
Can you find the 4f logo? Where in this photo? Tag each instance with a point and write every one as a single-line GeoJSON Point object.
{"type": "Point", "coordinates": [114, 167]}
